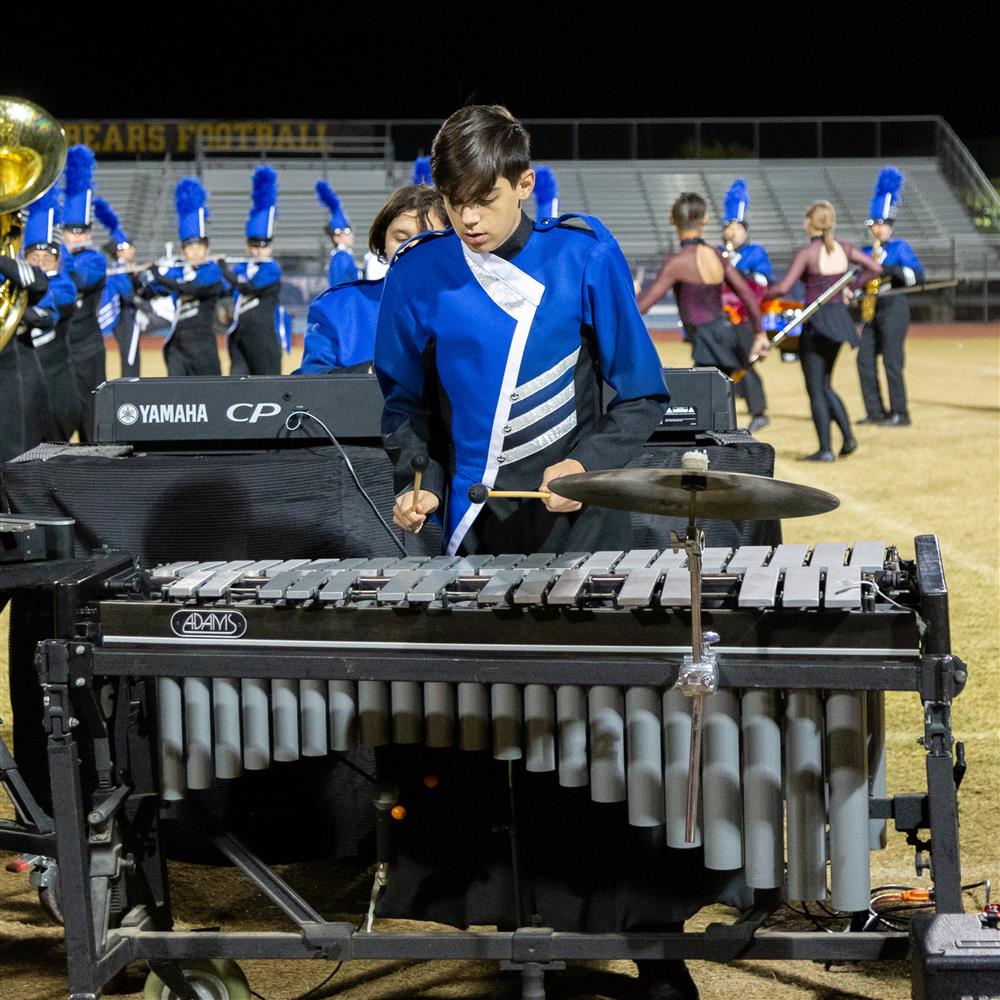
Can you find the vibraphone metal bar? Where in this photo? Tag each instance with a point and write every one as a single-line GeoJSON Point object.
{"type": "Point", "coordinates": [825, 655]}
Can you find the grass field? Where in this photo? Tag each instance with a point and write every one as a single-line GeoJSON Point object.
{"type": "Point", "coordinates": [938, 476]}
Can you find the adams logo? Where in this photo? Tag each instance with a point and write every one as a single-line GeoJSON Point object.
{"type": "Point", "coordinates": [208, 624]}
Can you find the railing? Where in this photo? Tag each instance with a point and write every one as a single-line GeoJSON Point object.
{"type": "Point", "coordinates": [966, 177]}
{"type": "Point", "coordinates": [324, 147]}
{"type": "Point", "coordinates": [704, 138]}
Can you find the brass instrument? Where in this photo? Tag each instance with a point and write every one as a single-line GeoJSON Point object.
{"type": "Point", "coordinates": [32, 156]}
{"type": "Point", "coordinates": [869, 296]}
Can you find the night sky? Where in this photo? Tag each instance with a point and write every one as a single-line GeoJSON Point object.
{"type": "Point", "coordinates": [870, 58]}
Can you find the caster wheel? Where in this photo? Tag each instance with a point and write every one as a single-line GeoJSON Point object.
{"type": "Point", "coordinates": [218, 979]}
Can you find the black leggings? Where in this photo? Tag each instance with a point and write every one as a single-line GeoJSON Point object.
{"type": "Point", "coordinates": [818, 355]}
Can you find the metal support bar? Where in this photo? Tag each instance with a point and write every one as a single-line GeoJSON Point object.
{"type": "Point", "coordinates": [270, 884]}
{"type": "Point", "coordinates": [499, 946]}
{"type": "Point", "coordinates": [824, 670]}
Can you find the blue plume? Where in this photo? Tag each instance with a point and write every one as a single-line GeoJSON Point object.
{"type": "Point", "coordinates": [328, 196]}
{"type": "Point", "coordinates": [79, 170]}
{"type": "Point", "coordinates": [890, 181]}
{"type": "Point", "coordinates": [189, 196]}
{"type": "Point", "coordinates": [546, 185]}
{"type": "Point", "coordinates": [49, 200]}
{"type": "Point", "coordinates": [737, 201]}
{"type": "Point", "coordinates": [105, 214]}
{"type": "Point", "coordinates": [265, 188]}
{"type": "Point", "coordinates": [422, 171]}
{"type": "Point", "coordinates": [885, 197]}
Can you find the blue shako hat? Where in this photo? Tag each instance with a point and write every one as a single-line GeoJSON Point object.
{"type": "Point", "coordinates": [107, 217]}
{"type": "Point", "coordinates": [189, 198]}
{"type": "Point", "coordinates": [339, 222]}
{"type": "Point", "coordinates": [546, 193]}
{"type": "Point", "coordinates": [422, 171]}
{"type": "Point", "coordinates": [737, 201]}
{"type": "Point", "coordinates": [885, 197]}
{"type": "Point", "coordinates": [264, 206]}
{"type": "Point", "coordinates": [79, 181]}
{"type": "Point", "coordinates": [42, 226]}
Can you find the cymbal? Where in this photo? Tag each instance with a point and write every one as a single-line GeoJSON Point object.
{"type": "Point", "coordinates": [733, 496]}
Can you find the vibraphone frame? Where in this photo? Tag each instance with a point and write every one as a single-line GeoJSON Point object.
{"type": "Point", "coordinates": [113, 881]}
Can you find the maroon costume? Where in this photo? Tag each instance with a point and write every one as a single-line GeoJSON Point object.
{"type": "Point", "coordinates": [823, 336]}
{"type": "Point", "coordinates": [713, 338]}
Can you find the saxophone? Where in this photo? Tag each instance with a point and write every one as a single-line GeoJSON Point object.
{"type": "Point", "coordinates": [869, 297]}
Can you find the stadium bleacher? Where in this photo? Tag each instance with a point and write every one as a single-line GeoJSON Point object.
{"type": "Point", "coordinates": [633, 198]}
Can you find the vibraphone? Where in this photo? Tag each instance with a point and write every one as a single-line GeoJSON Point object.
{"type": "Point", "coordinates": [564, 662]}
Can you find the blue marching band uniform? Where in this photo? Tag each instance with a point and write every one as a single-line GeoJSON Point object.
{"type": "Point", "coordinates": [340, 327]}
{"type": "Point", "coordinates": [261, 326]}
{"type": "Point", "coordinates": [190, 347]}
{"type": "Point", "coordinates": [119, 316]}
{"type": "Point", "coordinates": [753, 263]}
{"type": "Point", "coordinates": [516, 346]}
{"type": "Point", "coordinates": [341, 266]}
{"type": "Point", "coordinates": [87, 268]}
{"type": "Point", "coordinates": [886, 333]}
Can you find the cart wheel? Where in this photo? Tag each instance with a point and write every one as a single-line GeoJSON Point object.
{"type": "Point", "coordinates": [218, 979]}
{"type": "Point", "coordinates": [49, 896]}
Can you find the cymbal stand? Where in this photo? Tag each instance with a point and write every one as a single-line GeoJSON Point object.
{"type": "Point", "coordinates": [698, 675]}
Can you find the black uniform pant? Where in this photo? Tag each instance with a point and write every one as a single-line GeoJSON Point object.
{"type": "Point", "coordinates": [818, 355]}
{"type": "Point", "coordinates": [11, 409]}
{"type": "Point", "coordinates": [90, 372]}
{"type": "Point", "coordinates": [60, 381]}
{"type": "Point", "coordinates": [885, 335]}
{"type": "Point", "coordinates": [192, 353]}
{"type": "Point", "coordinates": [34, 397]}
{"type": "Point", "coordinates": [751, 386]}
{"type": "Point", "coordinates": [254, 351]}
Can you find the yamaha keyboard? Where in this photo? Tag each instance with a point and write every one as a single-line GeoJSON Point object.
{"type": "Point", "coordinates": [254, 411]}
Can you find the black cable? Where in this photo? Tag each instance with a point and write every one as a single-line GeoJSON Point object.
{"type": "Point", "coordinates": [312, 993]}
{"type": "Point", "coordinates": [292, 425]}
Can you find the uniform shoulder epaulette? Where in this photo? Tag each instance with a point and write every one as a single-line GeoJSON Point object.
{"type": "Point", "coordinates": [421, 239]}
{"type": "Point", "coordinates": [347, 284]}
{"type": "Point", "coordinates": [577, 221]}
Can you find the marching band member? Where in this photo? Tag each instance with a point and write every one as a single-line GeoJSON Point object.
{"type": "Point", "coordinates": [375, 263]}
{"type": "Point", "coordinates": [190, 348]}
{"type": "Point", "coordinates": [54, 408]}
{"type": "Point", "coordinates": [489, 347]}
{"type": "Point", "coordinates": [259, 321]}
{"type": "Point", "coordinates": [697, 274]}
{"type": "Point", "coordinates": [819, 265]}
{"type": "Point", "coordinates": [501, 330]}
{"type": "Point", "coordinates": [118, 314]}
{"type": "Point", "coordinates": [341, 266]}
{"type": "Point", "coordinates": [885, 332]}
{"type": "Point", "coordinates": [340, 331]}
{"type": "Point", "coordinates": [21, 275]}
{"type": "Point", "coordinates": [88, 270]}
{"type": "Point", "coordinates": [754, 265]}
